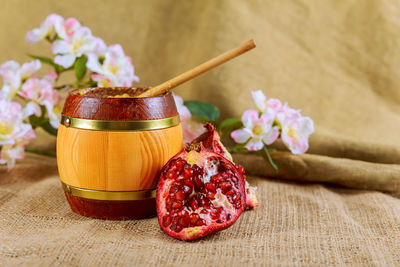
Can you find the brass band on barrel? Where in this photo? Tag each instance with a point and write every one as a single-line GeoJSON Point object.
{"type": "Point", "coordinates": [103, 125]}
{"type": "Point", "coordinates": [109, 195]}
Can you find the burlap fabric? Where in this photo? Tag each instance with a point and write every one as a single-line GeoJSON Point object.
{"type": "Point", "coordinates": [336, 60]}
{"type": "Point", "coordinates": [295, 224]}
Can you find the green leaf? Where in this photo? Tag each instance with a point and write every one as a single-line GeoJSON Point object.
{"type": "Point", "coordinates": [59, 68]}
{"type": "Point", "coordinates": [80, 67]}
{"type": "Point", "coordinates": [229, 122]}
{"type": "Point", "coordinates": [91, 83]}
{"type": "Point", "coordinates": [203, 110]}
{"type": "Point", "coordinates": [36, 121]}
{"type": "Point", "coordinates": [48, 128]}
{"type": "Point", "coordinates": [50, 62]}
{"type": "Point", "coordinates": [42, 122]}
{"type": "Point", "coordinates": [228, 125]}
{"type": "Point", "coordinates": [45, 60]}
{"type": "Point", "coordinates": [239, 148]}
{"type": "Point", "coordinates": [268, 157]}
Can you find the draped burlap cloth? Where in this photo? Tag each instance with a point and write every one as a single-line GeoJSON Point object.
{"type": "Point", "coordinates": [338, 61]}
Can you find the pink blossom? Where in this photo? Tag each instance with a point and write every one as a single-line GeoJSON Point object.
{"type": "Point", "coordinates": [30, 68]}
{"type": "Point", "coordinates": [100, 47]}
{"type": "Point", "coordinates": [14, 133]}
{"type": "Point", "coordinates": [41, 92]}
{"type": "Point", "coordinates": [38, 90]}
{"type": "Point", "coordinates": [271, 105]}
{"type": "Point", "coordinates": [184, 112]}
{"type": "Point", "coordinates": [50, 77]}
{"type": "Point", "coordinates": [53, 23]}
{"type": "Point", "coordinates": [191, 129]}
{"type": "Point", "coordinates": [295, 130]}
{"type": "Point", "coordinates": [80, 43]}
{"type": "Point", "coordinates": [12, 75]}
{"type": "Point", "coordinates": [102, 81]}
{"type": "Point", "coordinates": [70, 26]}
{"type": "Point", "coordinates": [31, 109]}
{"type": "Point", "coordinates": [257, 131]}
{"type": "Point", "coordinates": [10, 117]}
{"type": "Point", "coordinates": [116, 69]}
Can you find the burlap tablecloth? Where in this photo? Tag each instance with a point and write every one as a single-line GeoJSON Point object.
{"type": "Point", "coordinates": [295, 224]}
{"type": "Point", "coordinates": [338, 61]}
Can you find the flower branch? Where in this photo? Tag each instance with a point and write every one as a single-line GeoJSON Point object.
{"type": "Point", "coordinates": [256, 129]}
{"type": "Point", "coordinates": [29, 101]}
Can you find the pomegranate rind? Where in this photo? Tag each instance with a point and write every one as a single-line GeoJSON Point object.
{"type": "Point", "coordinates": [196, 232]}
{"type": "Point", "coordinates": [212, 141]}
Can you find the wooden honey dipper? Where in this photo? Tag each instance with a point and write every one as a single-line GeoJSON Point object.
{"type": "Point", "coordinates": [200, 69]}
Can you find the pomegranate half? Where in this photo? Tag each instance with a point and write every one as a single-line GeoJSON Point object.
{"type": "Point", "coordinates": [199, 192]}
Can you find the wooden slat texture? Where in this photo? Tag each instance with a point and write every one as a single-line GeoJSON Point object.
{"type": "Point", "coordinates": [115, 161]}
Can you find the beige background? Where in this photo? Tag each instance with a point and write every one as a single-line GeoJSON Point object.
{"type": "Point", "coordinates": [338, 61]}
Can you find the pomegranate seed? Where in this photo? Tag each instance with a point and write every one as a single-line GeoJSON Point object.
{"type": "Point", "coordinates": [216, 178]}
{"type": "Point", "coordinates": [206, 202]}
{"type": "Point", "coordinates": [176, 205]}
{"type": "Point", "coordinates": [194, 217]}
{"type": "Point", "coordinates": [204, 211]}
{"type": "Point", "coordinates": [178, 228]}
{"type": "Point", "coordinates": [194, 205]}
{"type": "Point", "coordinates": [180, 195]}
{"type": "Point", "coordinates": [197, 170]}
{"type": "Point", "coordinates": [234, 180]}
{"type": "Point", "coordinates": [236, 197]}
{"type": "Point", "coordinates": [173, 190]}
{"type": "Point", "coordinates": [214, 214]}
{"type": "Point", "coordinates": [201, 222]}
{"type": "Point", "coordinates": [222, 168]}
{"type": "Point", "coordinates": [174, 222]}
{"type": "Point", "coordinates": [228, 217]}
{"type": "Point", "coordinates": [187, 172]}
{"type": "Point", "coordinates": [172, 174]}
{"type": "Point", "coordinates": [210, 187]}
{"type": "Point", "coordinates": [182, 211]}
{"type": "Point", "coordinates": [210, 195]}
{"type": "Point", "coordinates": [189, 183]}
{"type": "Point", "coordinates": [166, 220]}
{"type": "Point", "coordinates": [219, 221]}
{"type": "Point", "coordinates": [198, 183]}
{"type": "Point", "coordinates": [178, 183]}
{"type": "Point", "coordinates": [179, 163]}
{"type": "Point", "coordinates": [184, 222]}
{"type": "Point", "coordinates": [225, 186]}
{"type": "Point", "coordinates": [168, 203]}
{"type": "Point", "coordinates": [240, 169]}
{"type": "Point", "coordinates": [187, 190]}
{"type": "Point", "coordinates": [230, 192]}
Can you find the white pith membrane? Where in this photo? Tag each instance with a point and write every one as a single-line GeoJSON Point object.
{"type": "Point", "coordinates": [220, 200]}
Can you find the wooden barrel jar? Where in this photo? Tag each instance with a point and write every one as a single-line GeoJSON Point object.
{"type": "Point", "coordinates": [111, 147]}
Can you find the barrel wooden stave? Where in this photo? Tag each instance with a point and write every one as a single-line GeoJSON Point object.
{"type": "Point", "coordinates": [115, 161]}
